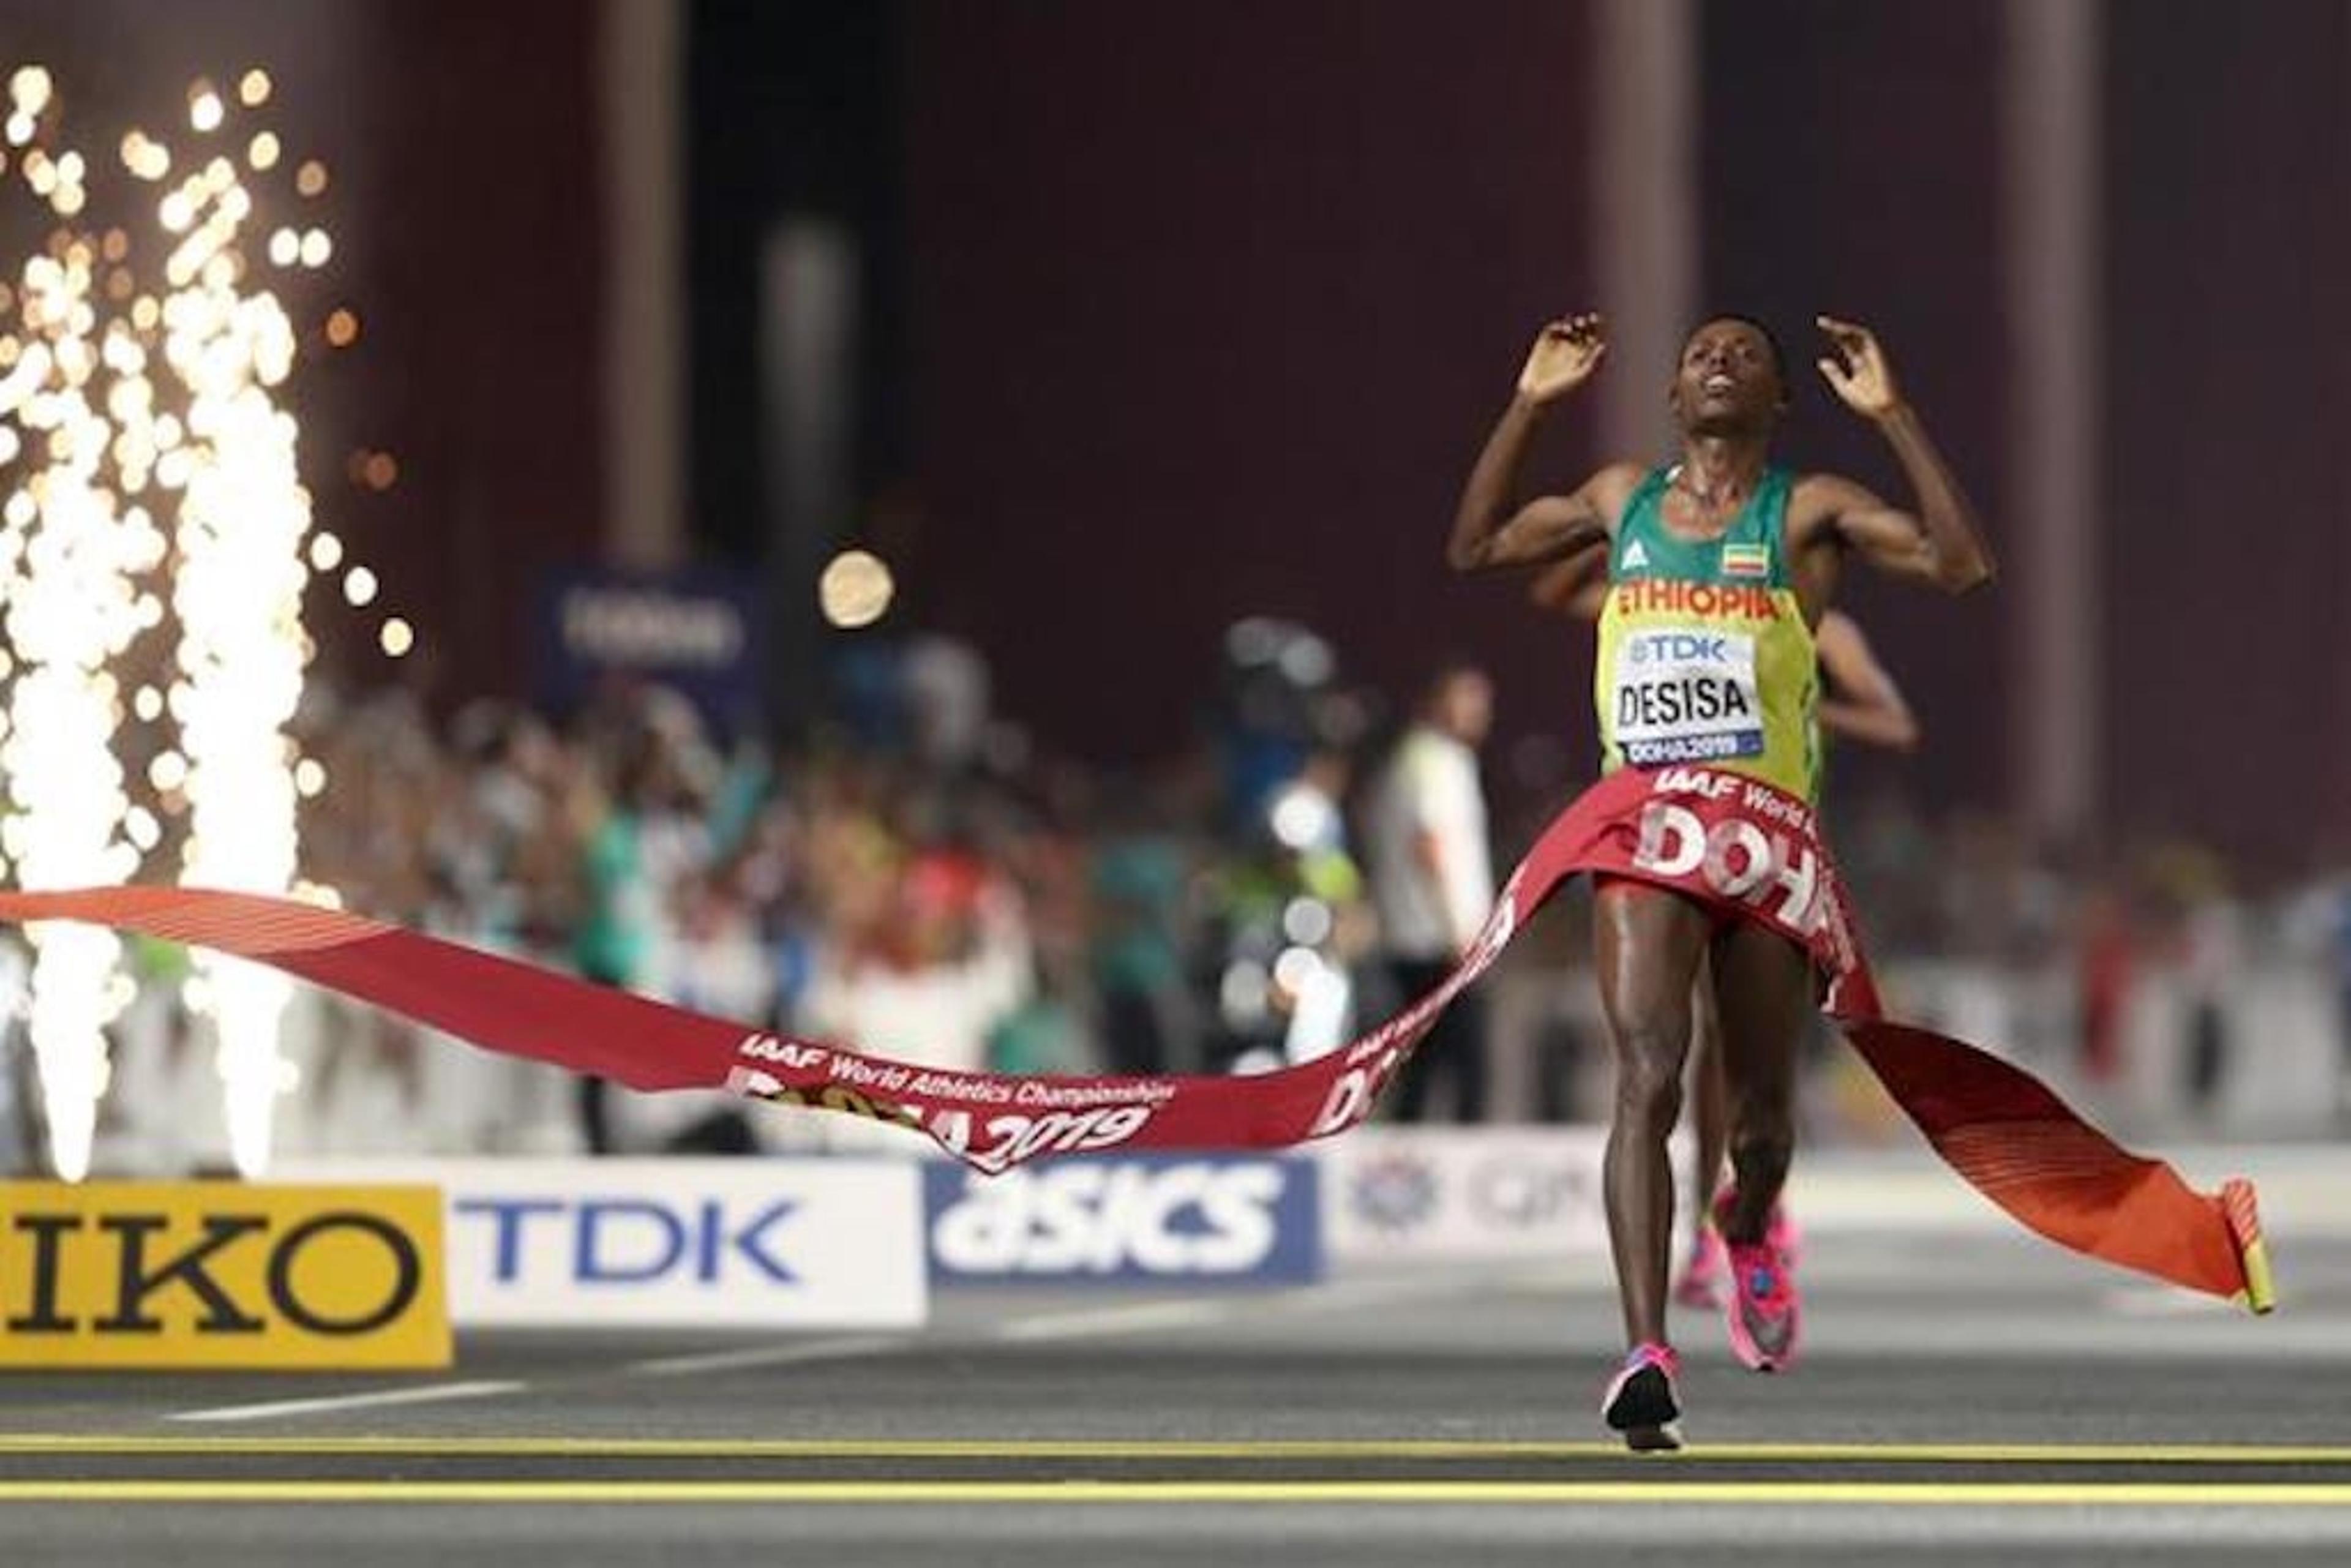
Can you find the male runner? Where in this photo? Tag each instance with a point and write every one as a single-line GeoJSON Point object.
{"type": "Point", "coordinates": [1720, 566]}
{"type": "Point", "coordinates": [1860, 701]}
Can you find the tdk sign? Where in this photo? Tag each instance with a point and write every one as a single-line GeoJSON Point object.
{"type": "Point", "coordinates": [717, 1243]}
{"type": "Point", "coordinates": [1231, 1220]}
{"type": "Point", "coordinates": [633, 1240]}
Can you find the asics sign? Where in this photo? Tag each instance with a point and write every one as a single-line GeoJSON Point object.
{"type": "Point", "coordinates": [1209, 1220]}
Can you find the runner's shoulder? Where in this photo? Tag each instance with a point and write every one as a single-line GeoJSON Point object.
{"type": "Point", "coordinates": [1610, 490]}
{"type": "Point", "coordinates": [1816, 500]}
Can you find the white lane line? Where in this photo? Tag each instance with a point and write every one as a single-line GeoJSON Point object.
{"type": "Point", "coordinates": [767, 1355]}
{"type": "Point", "coordinates": [2156, 1301]}
{"type": "Point", "coordinates": [432, 1394]}
{"type": "Point", "coordinates": [1341, 1294]}
{"type": "Point", "coordinates": [1141, 1317]}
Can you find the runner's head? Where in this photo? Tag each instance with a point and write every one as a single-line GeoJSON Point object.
{"type": "Point", "coordinates": [1732, 379]}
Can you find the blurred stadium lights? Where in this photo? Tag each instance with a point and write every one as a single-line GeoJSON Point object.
{"type": "Point", "coordinates": [146, 453]}
{"type": "Point", "coordinates": [855, 590]}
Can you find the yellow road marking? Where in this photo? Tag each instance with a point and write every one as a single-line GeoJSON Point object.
{"type": "Point", "coordinates": [903, 1493]}
{"type": "Point", "coordinates": [526, 1447]}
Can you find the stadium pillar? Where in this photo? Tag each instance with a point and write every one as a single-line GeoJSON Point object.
{"type": "Point", "coordinates": [2054, 194]}
{"type": "Point", "coordinates": [1644, 114]}
{"type": "Point", "coordinates": [642, 62]}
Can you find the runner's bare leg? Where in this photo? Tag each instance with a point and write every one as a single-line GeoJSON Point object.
{"type": "Point", "coordinates": [1648, 944]}
{"type": "Point", "coordinates": [1763, 989]}
{"type": "Point", "coordinates": [1712, 1088]}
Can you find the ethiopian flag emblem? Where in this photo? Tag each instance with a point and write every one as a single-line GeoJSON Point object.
{"type": "Point", "coordinates": [1746, 560]}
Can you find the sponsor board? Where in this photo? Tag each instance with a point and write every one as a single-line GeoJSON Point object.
{"type": "Point", "coordinates": [1220, 1219]}
{"type": "Point", "coordinates": [218, 1274]}
{"type": "Point", "coordinates": [700, 631]}
{"type": "Point", "coordinates": [1434, 1194]}
{"type": "Point", "coordinates": [731, 1243]}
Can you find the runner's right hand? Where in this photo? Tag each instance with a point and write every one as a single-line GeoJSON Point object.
{"type": "Point", "coordinates": [1565, 356]}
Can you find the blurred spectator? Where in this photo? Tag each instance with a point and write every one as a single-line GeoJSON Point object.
{"type": "Point", "coordinates": [642, 848]}
{"type": "Point", "coordinates": [2210, 951]}
{"type": "Point", "coordinates": [945, 683]}
{"type": "Point", "coordinates": [1138, 958]}
{"type": "Point", "coordinates": [996, 906]}
{"type": "Point", "coordinates": [2342, 955]}
{"type": "Point", "coordinates": [1433, 879]}
{"type": "Point", "coordinates": [2318, 925]}
{"type": "Point", "coordinates": [930, 979]}
{"type": "Point", "coordinates": [2107, 958]}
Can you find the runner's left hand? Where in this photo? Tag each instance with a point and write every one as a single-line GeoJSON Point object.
{"type": "Point", "coordinates": [1857, 369]}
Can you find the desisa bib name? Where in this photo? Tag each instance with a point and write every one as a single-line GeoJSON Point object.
{"type": "Point", "coordinates": [1686, 695]}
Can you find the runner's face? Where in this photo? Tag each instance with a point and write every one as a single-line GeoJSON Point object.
{"type": "Point", "coordinates": [1727, 382]}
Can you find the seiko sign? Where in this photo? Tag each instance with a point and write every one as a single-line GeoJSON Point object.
{"type": "Point", "coordinates": [215, 1274]}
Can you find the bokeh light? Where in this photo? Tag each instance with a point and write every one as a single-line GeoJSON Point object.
{"type": "Point", "coordinates": [855, 588]}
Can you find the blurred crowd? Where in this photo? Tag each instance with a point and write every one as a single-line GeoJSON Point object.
{"type": "Point", "coordinates": [919, 881]}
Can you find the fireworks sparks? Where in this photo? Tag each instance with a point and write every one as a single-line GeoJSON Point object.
{"type": "Point", "coordinates": [145, 455]}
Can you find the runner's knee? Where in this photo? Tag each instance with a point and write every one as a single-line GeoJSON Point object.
{"type": "Point", "coordinates": [1763, 1142]}
{"type": "Point", "coordinates": [1649, 1076]}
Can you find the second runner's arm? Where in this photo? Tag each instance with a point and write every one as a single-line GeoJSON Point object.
{"type": "Point", "coordinates": [1576, 586]}
{"type": "Point", "coordinates": [1861, 701]}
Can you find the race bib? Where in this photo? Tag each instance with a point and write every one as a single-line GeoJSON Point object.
{"type": "Point", "coordinates": [1686, 695]}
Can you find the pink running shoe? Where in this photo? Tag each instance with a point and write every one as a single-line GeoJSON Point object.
{"type": "Point", "coordinates": [1762, 1309]}
{"type": "Point", "coordinates": [1700, 1285]}
{"type": "Point", "coordinates": [1641, 1402]}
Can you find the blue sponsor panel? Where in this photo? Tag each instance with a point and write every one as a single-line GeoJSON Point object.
{"type": "Point", "coordinates": [1209, 1219]}
{"type": "Point", "coordinates": [698, 632]}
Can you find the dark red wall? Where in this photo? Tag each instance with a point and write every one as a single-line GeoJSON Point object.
{"type": "Point", "coordinates": [1213, 305]}
{"type": "Point", "coordinates": [1852, 167]}
{"type": "Point", "coordinates": [2228, 379]}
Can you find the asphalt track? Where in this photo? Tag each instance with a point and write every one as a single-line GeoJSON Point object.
{"type": "Point", "coordinates": [1965, 1400]}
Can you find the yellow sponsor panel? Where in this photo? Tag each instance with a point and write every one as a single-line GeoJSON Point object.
{"type": "Point", "coordinates": [220, 1274]}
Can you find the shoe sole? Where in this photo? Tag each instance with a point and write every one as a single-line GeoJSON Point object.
{"type": "Point", "coordinates": [1752, 1355]}
{"type": "Point", "coordinates": [1645, 1404]}
{"type": "Point", "coordinates": [1665, 1440]}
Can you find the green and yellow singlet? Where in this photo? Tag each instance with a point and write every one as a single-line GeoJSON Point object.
{"type": "Point", "coordinates": [1705, 654]}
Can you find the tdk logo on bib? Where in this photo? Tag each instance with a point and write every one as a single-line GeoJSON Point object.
{"type": "Point", "coordinates": [1657, 647]}
{"type": "Point", "coordinates": [1210, 1220]}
